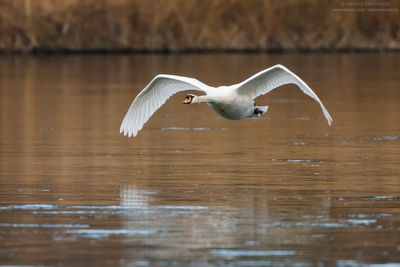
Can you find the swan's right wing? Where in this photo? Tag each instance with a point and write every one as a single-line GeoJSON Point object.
{"type": "Point", "coordinates": [153, 96]}
{"type": "Point", "coordinates": [265, 81]}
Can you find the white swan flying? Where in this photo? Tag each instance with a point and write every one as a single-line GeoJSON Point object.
{"type": "Point", "coordinates": [233, 102]}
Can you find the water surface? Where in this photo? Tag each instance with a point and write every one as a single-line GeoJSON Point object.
{"type": "Point", "coordinates": [194, 189]}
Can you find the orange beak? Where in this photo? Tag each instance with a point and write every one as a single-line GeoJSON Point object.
{"type": "Point", "coordinates": [187, 100]}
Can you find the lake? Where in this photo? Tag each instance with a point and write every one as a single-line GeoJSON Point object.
{"type": "Point", "coordinates": [194, 189]}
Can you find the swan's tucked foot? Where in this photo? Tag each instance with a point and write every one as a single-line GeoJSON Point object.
{"type": "Point", "coordinates": [258, 111]}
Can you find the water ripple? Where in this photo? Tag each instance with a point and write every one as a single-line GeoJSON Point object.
{"type": "Point", "coordinates": [43, 225]}
{"type": "Point", "coordinates": [28, 207]}
{"type": "Point", "coordinates": [104, 233]}
{"type": "Point", "coordinates": [251, 253]}
{"type": "Point", "coordinates": [192, 129]}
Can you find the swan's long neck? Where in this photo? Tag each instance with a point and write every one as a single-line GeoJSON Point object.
{"type": "Point", "coordinates": [204, 99]}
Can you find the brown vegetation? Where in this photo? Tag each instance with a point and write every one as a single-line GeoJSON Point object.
{"type": "Point", "coordinates": [80, 25]}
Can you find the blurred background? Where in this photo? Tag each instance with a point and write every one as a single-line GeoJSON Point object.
{"type": "Point", "coordinates": [198, 25]}
{"type": "Point", "coordinates": [194, 189]}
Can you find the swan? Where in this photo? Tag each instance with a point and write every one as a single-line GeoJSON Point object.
{"type": "Point", "coordinates": [234, 102]}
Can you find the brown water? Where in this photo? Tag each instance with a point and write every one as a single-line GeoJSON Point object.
{"type": "Point", "coordinates": [193, 189]}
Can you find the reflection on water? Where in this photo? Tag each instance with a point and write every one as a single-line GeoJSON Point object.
{"type": "Point", "coordinates": [193, 189]}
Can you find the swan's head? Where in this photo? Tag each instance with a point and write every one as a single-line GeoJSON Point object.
{"type": "Point", "coordinates": [190, 100]}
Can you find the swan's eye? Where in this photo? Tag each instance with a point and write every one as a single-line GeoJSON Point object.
{"type": "Point", "coordinates": [188, 99]}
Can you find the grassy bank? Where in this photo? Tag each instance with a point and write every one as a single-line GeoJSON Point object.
{"type": "Point", "coordinates": [85, 25]}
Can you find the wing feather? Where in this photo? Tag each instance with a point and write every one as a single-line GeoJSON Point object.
{"type": "Point", "coordinates": [265, 81]}
{"type": "Point", "coordinates": [153, 96]}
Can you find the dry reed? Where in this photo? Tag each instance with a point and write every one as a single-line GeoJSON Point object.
{"type": "Point", "coordinates": [82, 25]}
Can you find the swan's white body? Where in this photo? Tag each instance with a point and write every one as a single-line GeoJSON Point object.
{"type": "Point", "coordinates": [233, 102]}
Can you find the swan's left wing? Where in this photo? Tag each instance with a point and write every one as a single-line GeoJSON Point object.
{"type": "Point", "coordinates": [271, 78]}
{"type": "Point", "coordinates": [153, 96]}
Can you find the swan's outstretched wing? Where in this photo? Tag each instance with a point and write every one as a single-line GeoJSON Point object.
{"type": "Point", "coordinates": [271, 78]}
{"type": "Point", "coordinates": [153, 96]}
